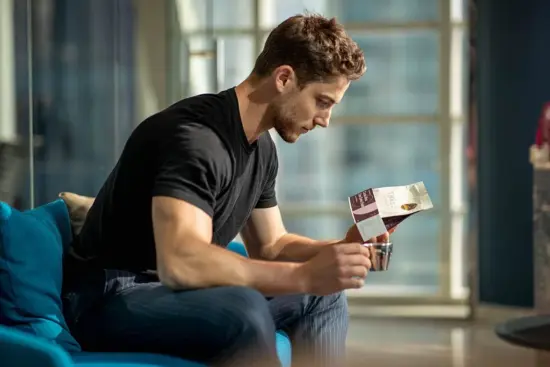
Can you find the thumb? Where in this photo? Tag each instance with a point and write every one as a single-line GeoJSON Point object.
{"type": "Point", "coordinates": [384, 237]}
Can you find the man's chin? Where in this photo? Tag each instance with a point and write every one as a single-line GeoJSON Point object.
{"type": "Point", "coordinates": [288, 137]}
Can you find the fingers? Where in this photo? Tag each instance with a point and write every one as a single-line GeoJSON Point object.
{"type": "Point", "coordinates": [372, 252]}
{"type": "Point", "coordinates": [349, 248]}
{"type": "Point", "coordinates": [362, 259]}
{"type": "Point", "coordinates": [365, 251]}
{"type": "Point", "coordinates": [383, 238]}
{"type": "Point", "coordinates": [352, 283]}
{"type": "Point", "coordinates": [355, 271]}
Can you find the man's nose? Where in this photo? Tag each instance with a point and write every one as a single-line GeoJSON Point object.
{"type": "Point", "coordinates": [323, 121]}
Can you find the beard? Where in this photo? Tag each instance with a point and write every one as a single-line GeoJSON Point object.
{"type": "Point", "coordinates": [284, 121]}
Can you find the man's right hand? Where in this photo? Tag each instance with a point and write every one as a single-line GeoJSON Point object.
{"type": "Point", "coordinates": [336, 268]}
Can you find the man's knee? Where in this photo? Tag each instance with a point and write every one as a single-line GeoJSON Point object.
{"type": "Point", "coordinates": [334, 303]}
{"type": "Point", "coordinates": [248, 312]}
{"type": "Point", "coordinates": [339, 301]}
{"type": "Point", "coordinates": [250, 327]}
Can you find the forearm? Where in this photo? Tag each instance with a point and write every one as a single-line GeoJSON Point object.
{"type": "Point", "coordinates": [206, 265]}
{"type": "Point", "coordinates": [296, 248]}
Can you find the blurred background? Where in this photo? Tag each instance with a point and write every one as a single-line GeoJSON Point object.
{"type": "Point", "coordinates": [77, 76]}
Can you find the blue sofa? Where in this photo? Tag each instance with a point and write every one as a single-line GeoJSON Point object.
{"type": "Point", "coordinates": [33, 331]}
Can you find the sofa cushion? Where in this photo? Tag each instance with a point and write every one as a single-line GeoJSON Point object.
{"type": "Point", "coordinates": [31, 270]}
{"type": "Point", "coordinates": [284, 351]}
{"type": "Point", "coordinates": [284, 348]}
{"type": "Point", "coordinates": [20, 349]}
{"type": "Point", "coordinates": [95, 359]}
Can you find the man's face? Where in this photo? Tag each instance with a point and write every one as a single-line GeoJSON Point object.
{"type": "Point", "coordinates": [296, 111]}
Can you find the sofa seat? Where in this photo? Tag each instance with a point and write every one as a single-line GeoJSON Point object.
{"type": "Point", "coordinates": [20, 349]}
{"type": "Point", "coordinates": [95, 359]}
{"type": "Point", "coordinates": [33, 332]}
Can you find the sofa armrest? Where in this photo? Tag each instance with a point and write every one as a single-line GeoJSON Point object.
{"type": "Point", "coordinates": [20, 349]}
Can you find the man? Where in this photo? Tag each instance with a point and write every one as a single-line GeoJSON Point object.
{"type": "Point", "coordinates": [152, 273]}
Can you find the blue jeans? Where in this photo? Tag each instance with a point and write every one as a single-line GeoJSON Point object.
{"type": "Point", "coordinates": [114, 310]}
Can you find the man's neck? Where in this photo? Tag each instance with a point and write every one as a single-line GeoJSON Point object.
{"type": "Point", "coordinates": [254, 96]}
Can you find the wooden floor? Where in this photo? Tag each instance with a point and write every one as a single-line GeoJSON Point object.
{"type": "Point", "coordinates": [426, 343]}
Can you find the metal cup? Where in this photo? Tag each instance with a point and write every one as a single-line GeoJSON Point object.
{"type": "Point", "coordinates": [380, 255]}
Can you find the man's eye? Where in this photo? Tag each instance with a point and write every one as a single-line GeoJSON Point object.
{"type": "Point", "coordinates": [323, 104]}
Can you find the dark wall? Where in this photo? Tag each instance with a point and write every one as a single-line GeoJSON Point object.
{"type": "Point", "coordinates": [513, 82]}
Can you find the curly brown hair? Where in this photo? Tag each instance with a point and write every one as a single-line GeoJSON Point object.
{"type": "Point", "coordinates": [317, 48]}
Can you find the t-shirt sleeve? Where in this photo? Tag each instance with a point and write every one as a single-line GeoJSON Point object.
{"type": "Point", "coordinates": [193, 165]}
{"type": "Point", "coordinates": [268, 198]}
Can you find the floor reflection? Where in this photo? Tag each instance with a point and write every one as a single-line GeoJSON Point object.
{"type": "Point", "coordinates": [402, 342]}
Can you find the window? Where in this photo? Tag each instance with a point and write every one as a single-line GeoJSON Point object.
{"type": "Point", "coordinates": [319, 172]}
{"type": "Point", "coordinates": [328, 165]}
{"type": "Point", "coordinates": [213, 62]}
{"type": "Point", "coordinates": [387, 11]}
{"type": "Point", "coordinates": [201, 15]}
{"type": "Point", "coordinates": [402, 75]}
{"type": "Point", "coordinates": [402, 122]}
{"type": "Point", "coordinates": [352, 11]}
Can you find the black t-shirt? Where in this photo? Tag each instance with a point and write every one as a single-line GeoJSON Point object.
{"type": "Point", "coordinates": [195, 150]}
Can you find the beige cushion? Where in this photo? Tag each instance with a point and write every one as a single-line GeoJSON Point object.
{"type": "Point", "coordinates": [78, 209]}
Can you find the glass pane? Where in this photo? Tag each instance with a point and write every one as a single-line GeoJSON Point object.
{"type": "Point", "coordinates": [357, 11]}
{"type": "Point", "coordinates": [199, 57]}
{"type": "Point", "coordinates": [273, 12]}
{"type": "Point", "coordinates": [236, 66]}
{"type": "Point", "coordinates": [213, 64]}
{"type": "Point", "coordinates": [83, 92]}
{"type": "Point", "coordinates": [198, 15]}
{"type": "Point", "coordinates": [402, 76]}
{"type": "Point", "coordinates": [351, 11]}
{"type": "Point", "coordinates": [329, 165]}
{"type": "Point", "coordinates": [415, 263]}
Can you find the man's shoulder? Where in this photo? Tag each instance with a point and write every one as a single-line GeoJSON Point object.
{"type": "Point", "coordinates": [202, 117]}
{"type": "Point", "coordinates": [188, 139]}
{"type": "Point", "coordinates": [209, 108]}
{"type": "Point", "coordinates": [163, 130]}
{"type": "Point", "coordinates": [208, 116]}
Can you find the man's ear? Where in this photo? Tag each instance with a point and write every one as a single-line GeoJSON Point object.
{"type": "Point", "coordinates": [284, 77]}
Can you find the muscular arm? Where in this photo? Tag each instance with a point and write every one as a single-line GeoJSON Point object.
{"type": "Point", "coordinates": [186, 259]}
{"type": "Point", "coordinates": [300, 248]}
{"type": "Point", "coordinates": [193, 168]}
{"type": "Point", "coordinates": [265, 235]}
{"type": "Point", "coordinates": [266, 238]}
